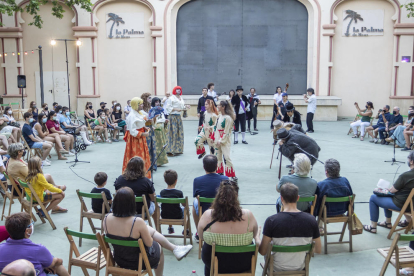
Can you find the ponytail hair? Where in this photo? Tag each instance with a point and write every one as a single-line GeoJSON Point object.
{"type": "Point", "coordinates": [228, 109]}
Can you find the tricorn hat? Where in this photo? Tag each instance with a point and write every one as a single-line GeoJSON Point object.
{"type": "Point", "coordinates": [282, 134]}
{"type": "Point", "coordinates": [239, 87]}
{"type": "Point", "coordinates": [289, 107]}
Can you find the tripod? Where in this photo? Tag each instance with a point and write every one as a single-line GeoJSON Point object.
{"type": "Point", "coordinates": [393, 161]}
{"type": "Point", "coordinates": [151, 168]}
{"type": "Point", "coordinates": [76, 161]}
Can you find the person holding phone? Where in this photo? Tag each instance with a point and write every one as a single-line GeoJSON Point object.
{"type": "Point", "coordinates": [365, 120]}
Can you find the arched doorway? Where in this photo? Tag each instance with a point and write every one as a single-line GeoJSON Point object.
{"type": "Point", "coordinates": [259, 44]}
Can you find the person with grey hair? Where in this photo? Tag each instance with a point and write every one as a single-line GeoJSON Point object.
{"type": "Point", "coordinates": [300, 177]}
{"type": "Point", "coordinates": [401, 189]}
{"type": "Point", "coordinates": [333, 186]}
{"type": "Point", "coordinates": [19, 267]}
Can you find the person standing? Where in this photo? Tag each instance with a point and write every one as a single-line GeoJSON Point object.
{"type": "Point", "coordinates": [201, 108]}
{"type": "Point", "coordinates": [152, 146]}
{"type": "Point", "coordinates": [207, 128]}
{"type": "Point", "coordinates": [174, 105]}
{"type": "Point", "coordinates": [211, 91]}
{"type": "Point", "coordinates": [136, 135]}
{"type": "Point", "coordinates": [281, 106]}
{"type": "Point", "coordinates": [277, 97]}
{"type": "Point", "coordinates": [241, 106]}
{"type": "Point", "coordinates": [310, 99]}
{"type": "Point", "coordinates": [254, 102]}
{"type": "Point", "coordinates": [159, 130]}
{"type": "Point", "coordinates": [221, 138]}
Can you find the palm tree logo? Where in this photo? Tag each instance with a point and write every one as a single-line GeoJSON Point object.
{"type": "Point", "coordinates": [354, 16]}
{"type": "Point", "coordinates": [117, 19]}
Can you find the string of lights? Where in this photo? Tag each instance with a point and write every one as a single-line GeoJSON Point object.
{"type": "Point", "coordinates": [5, 54]}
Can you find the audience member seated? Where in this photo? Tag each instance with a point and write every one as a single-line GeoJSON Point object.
{"type": "Point", "coordinates": [4, 235]}
{"type": "Point", "coordinates": [401, 189]}
{"type": "Point", "coordinates": [34, 111]}
{"type": "Point", "coordinates": [19, 246]}
{"type": "Point", "coordinates": [390, 126]}
{"type": "Point", "coordinates": [333, 186]}
{"type": "Point", "coordinates": [72, 128]}
{"type": "Point", "coordinates": [206, 186]}
{"type": "Point", "coordinates": [171, 211]}
{"type": "Point", "coordinates": [383, 116]}
{"type": "Point", "coordinates": [100, 181]}
{"type": "Point", "coordinates": [45, 109]}
{"type": "Point", "coordinates": [117, 115]}
{"type": "Point", "coordinates": [290, 228]}
{"type": "Point", "coordinates": [11, 132]}
{"type": "Point", "coordinates": [134, 178]}
{"type": "Point", "coordinates": [53, 126]}
{"type": "Point", "coordinates": [40, 130]}
{"type": "Point", "coordinates": [19, 267]}
{"type": "Point", "coordinates": [127, 108]}
{"type": "Point", "coordinates": [408, 132]}
{"type": "Point", "coordinates": [59, 112]}
{"type": "Point", "coordinates": [306, 185]}
{"type": "Point", "coordinates": [112, 126]}
{"type": "Point", "coordinates": [101, 122]}
{"type": "Point", "coordinates": [365, 120]}
{"type": "Point", "coordinates": [123, 224]}
{"type": "Point", "coordinates": [227, 224]}
{"type": "Point", "coordinates": [8, 117]}
{"type": "Point", "coordinates": [4, 141]}
{"type": "Point", "coordinates": [35, 142]}
{"type": "Point", "coordinates": [398, 135]}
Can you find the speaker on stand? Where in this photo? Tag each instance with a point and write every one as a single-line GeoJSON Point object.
{"type": "Point", "coordinates": [21, 83]}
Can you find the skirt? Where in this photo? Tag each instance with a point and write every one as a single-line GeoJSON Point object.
{"type": "Point", "coordinates": [152, 148]}
{"type": "Point", "coordinates": [175, 134]}
{"type": "Point", "coordinates": [136, 147]}
{"type": "Point", "coordinates": [161, 141]}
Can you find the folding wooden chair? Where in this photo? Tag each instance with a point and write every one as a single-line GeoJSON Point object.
{"type": "Point", "coordinates": [200, 213]}
{"type": "Point", "coordinates": [90, 214]}
{"type": "Point", "coordinates": [233, 249]}
{"type": "Point", "coordinates": [145, 215]}
{"type": "Point", "coordinates": [3, 107]}
{"type": "Point", "coordinates": [35, 203]}
{"type": "Point", "coordinates": [91, 259]}
{"type": "Point", "coordinates": [399, 257]}
{"type": "Point", "coordinates": [307, 199]}
{"type": "Point", "coordinates": [268, 267]}
{"type": "Point", "coordinates": [403, 211]}
{"type": "Point", "coordinates": [7, 195]}
{"type": "Point", "coordinates": [185, 221]}
{"type": "Point", "coordinates": [345, 219]}
{"type": "Point", "coordinates": [15, 107]}
{"type": "Point", "coordinates": [91, 131]}
{"type": "Point", "coordinates": [112, 269]}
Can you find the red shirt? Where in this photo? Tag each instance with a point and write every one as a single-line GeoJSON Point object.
{"type": "Point", "coordinates": [50, 124]}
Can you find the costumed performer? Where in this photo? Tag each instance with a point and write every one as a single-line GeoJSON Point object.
{"type": "Point", "coordinates": [207, 128]}
{"type": "Point", "coordinates": [175, 134]}
{"type": "Point", "coordinates": [136, 134]}
{"type": "Point", "coordinates": [159, 130]}
{"type": "Point", "coordinates": [221, 138]}
{"type": "Point", "coordinates": [152, 145]}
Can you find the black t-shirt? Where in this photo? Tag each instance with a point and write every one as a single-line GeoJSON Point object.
{"type": "Point", "coordinates": [171, 211]}
{"type": "Point", "coordinates": [97, 202]}
{"type": "Point", "coordinates": [99, 111]}
{"type": "Point", "coordinates": [404, 185]}
{"type": "Point", "coordinates": [140, 186]}
{"type": "Point", "coordinates": [117, 115]}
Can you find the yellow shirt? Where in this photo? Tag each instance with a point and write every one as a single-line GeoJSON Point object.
{"type": "Point", "coordinates": [40, 185]}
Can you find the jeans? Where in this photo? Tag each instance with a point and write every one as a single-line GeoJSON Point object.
{"type": "Point", "coordinates": [381, 131]}
{"type": "Point", "coordinates": [241, 118]}
{"type": "Point", "coordinates": [363, 125]}
{"type": "Point", "coordinates": [309, 121]}
{"type": "Point", "coordinates": [384, 202]}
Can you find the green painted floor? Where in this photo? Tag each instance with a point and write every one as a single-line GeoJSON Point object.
{"type": "Point", "coordinates": [361, 162]}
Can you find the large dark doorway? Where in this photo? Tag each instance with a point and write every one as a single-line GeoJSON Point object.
{"type": "Point", "coordinates": [254, 43]}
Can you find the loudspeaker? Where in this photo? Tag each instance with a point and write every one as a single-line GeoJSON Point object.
{"type": "Point", "coordinates": [21, 81]}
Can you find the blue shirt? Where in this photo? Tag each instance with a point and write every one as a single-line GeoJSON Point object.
{"type": "Point", "coordinates": [381, 121]}
{"type": "Point", "coordinates": [333, 187]}
{"type": "Point", "coordinates": [26, 131]}
{"type": "Point", "coordinates": [396, 119]}
{"type": "Point", "coordinates": [64, 119]}
{"type": "Point", "coordinates": [207, 186]}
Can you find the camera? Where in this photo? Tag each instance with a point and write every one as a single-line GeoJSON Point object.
{"type": "Point", "coordinates": [380, 111]}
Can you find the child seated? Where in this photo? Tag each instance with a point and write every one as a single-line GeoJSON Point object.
{"type": "Point", "coordinates": [171, 211]}
{"type": "Point", "coordinates": [100, 180]}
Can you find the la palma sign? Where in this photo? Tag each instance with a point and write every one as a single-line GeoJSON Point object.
{"type": "Point", "coordinates": [363, 23]}
{"type": "Point", "coordinates": [124, 25]}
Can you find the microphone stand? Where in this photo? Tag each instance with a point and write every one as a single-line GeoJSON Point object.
{"type": "Point", "coordinates": [393, 160]}
{"type": "Point", "coordinates": [76, 161]}
{"type": "Point", "coordinates": [151, 168]}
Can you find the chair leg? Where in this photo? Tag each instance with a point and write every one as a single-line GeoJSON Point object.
{"type": "Point", "coordinates": [80, 230]}
{"type": "Point", "coordinates": [10, 205]}
{"type": "Point", "coordinates": [190, 232]}
{"type": "Point", "coordinates": [325, 236]}
{"type": "Point", "coordinates": [4, 207]}
{"type": "Point", "coordinates": [48, 217]}
{"type": "Point", "coordinates": [343, 231]}
{"type": "Point", "coordinates": [394, 226]}
{"type": "Point", "coordinates": [92, 225]}
{"type": "Point", "coordinates": [37, 211]}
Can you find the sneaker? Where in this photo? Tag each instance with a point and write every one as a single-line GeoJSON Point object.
{"type": "Point", "coordinates": [196, 238]}
{"type": "Point", "coordinates": [70, 154]}
{"type": "Point", "coordinates": [248, 130]}
{"type": "Point", "coordinates": [236, 142]}
{"type": "Point", "coordinates": [382, 141]}
{"type": "Point", "coordinates": [188, 232]}
{"type": "Point", "coordinates": [256, 129]}
{"type": "Point", "coordinates": [99, 139]}
{"type": "Point", "coordinates": [109, 141]}
{"type": "Point", "coordinates": [376, 140]}
{"type": "Point", "coordinates": [180, 251]}
{"type": "Point", "coordinates": [389, 140]}
{"type": "Point", "coordinates": [46, 163]}
{"type": "Point", "coordinates": [371, 141]}
{"type": "Point", "coordinates": [310, 131]}
{"type": "Point", "coordinates": [405, 149]}
{"type": "Point", "coordinates": [171, 230]}
{"type": "Point", "coordinates": [115, 140]}
{"type": "Point", "coordinates": [73, 151]}
{"type": "Point", "coordinates": [244, 142]}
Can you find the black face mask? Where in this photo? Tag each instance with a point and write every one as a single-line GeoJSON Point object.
{"type": "Point", "coordinates": [46, 108]}
{"type": "Point", "coordinates": [90, 107]}
{"type": "Point", "coordinates": [394, 112]}
{"type": "Point", "coordinates": [103, 106]}
{"type": "Point", "coordinates": [366, 106]}
{"type": "Point", "coordinates": [24, 153]}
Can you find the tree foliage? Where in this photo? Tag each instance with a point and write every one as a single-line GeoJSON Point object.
{"type": "Point", "coordinates": [9, 7]}
{"type": "Point", "coordinates": [410, 8]}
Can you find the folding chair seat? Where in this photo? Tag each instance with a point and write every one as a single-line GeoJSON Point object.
{"type": "Point", "coordinates": [404, 211]}
{"type": "Point", "coordinates": [268, 267]}
{"type": "Point", "coordinates": [185, 221]}
{"type": "Point", "coordinates": [308, 199]}
{"type": "Point", "coordinates": [35, 203]}
{"type": "Point", "coordinates": [345, 219]}
{"type": "Point", "coordinates": [111, 266]}
{"type": "Point", "coordinates": [233, 249]}
{"type": "Point", "coordinates": [90, 214]}
{"type": "Point", "coordinates": [91, 259]}
{"type": "Point", "coordinates": [399, 257]}
{"type": "Point", "coordinates": [200, 213]}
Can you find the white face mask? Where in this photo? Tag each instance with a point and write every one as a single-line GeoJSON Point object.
{"type": "Point", "coordinates": [32, 228]}
{"type": "Point", "coordinates": [118, 108]}
{"type": "Point", "coordinates": [54, 118]}
{"type": "Point", "coordinates": [103, 117]}
{"type": "Point", "coordinates": [10, 112]}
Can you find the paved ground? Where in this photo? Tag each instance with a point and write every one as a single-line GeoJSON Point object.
{"type": "Point", "coordinates": [362, 163]}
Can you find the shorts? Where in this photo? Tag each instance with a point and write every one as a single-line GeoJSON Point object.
{"type": "Point", "coordinates": [377, 126]}
{"type": "Point", "coordinates": [47, 196]}
{"type": "Point", "coordinates": [37, 145]}
{"type": "Point", "coordinates": [92, 125]}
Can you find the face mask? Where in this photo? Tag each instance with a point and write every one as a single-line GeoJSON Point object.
{"type": "Point", "coordinates": [60, 111]}
{"type": "Point", "coordinates": [44, 120]}
{"type": "Point", "coordinates": [67, 113]}
{"type": "Point", "coordinates": [46, 108]}
{"type": "Point", "coordinates": [410, 112]}
{"type": "Point", "coordinates": [54, 118]}
{"type": "Point", "coordinates": [118, 108]}
{"type": "Point", "coordinates": [408, 163]}
{"type": "Point", "coordinates": [103, 117]}
{"type": "Point", "coordinates": [24, 153]}
{"type": "Point", "coordinates": [10, 112]}
{"type": "Point", "coordinates": [102, 106]}
{"type": "Point", "coordinates": [366, 106]}
{"type": "Point", "coordinates": [90, 107]}
{"type": "Point", "coordinates": [31, 120]}
{"type": "Point", "coordinates": [394, 112]}
{"type": "Point", "coordinates": [115, 103]}
{"type": "Point", "coordinates": [31, 234]}
{"type": "Point", "coordinates": [34, 106]}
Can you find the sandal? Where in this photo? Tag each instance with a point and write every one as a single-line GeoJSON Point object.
{"type": "Point", "coordinates": [370, 229]}
{"type": "Point", "coordinates": [321, 231]}
{"type": "Point", "coordinates": [406, 272]}
{"type": "Point", "coordinates": [385, 224]}
{"type": "Point", "coordinates": [362, 138]}
{"type": "Point", "coordinates": [59, 210]}
{"type": "Point", "coordinates": [403, 223]}
{"type": "Point", "coordinates": [355, 136]}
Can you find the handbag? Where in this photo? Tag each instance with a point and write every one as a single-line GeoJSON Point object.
{"type": "Point", "coordinates": [15, 124]}
{"type": "Point", "coordinates": [357, 226]}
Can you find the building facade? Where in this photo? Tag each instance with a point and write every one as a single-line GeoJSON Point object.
{"type": "Point", "coordinates": [347, 50]}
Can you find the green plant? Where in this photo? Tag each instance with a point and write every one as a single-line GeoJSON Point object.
{"type": "Point", "coordinates": [10, 7]}
{"type": "Point", "coordinates": [410, 8]}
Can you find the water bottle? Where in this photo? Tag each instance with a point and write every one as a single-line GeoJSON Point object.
{"type": "Point", "coordinates": [193, 273]}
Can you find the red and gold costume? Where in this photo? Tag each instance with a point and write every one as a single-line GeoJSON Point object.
{"type": "Point", "coordinates": [223, 133]}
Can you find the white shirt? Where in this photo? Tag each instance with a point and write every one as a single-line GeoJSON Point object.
{"type": "Point", "coordinates": [212, 94]}
{"type": "Point", "coordinates": [277, 97]}
{"type": "Point", "coordinates": [127, 108]}
{"type": "Point", "coordinates": [312, 104]}
{"type": "Point", "coordinates": [174, 103]}
{"type": "Point", "coordinates": [135, 121]}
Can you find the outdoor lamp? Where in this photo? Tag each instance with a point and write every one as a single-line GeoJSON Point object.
{"type": "Point", "coordinates": [53, 42]}
{"type": "Point", "coordinates": [78, 42]}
